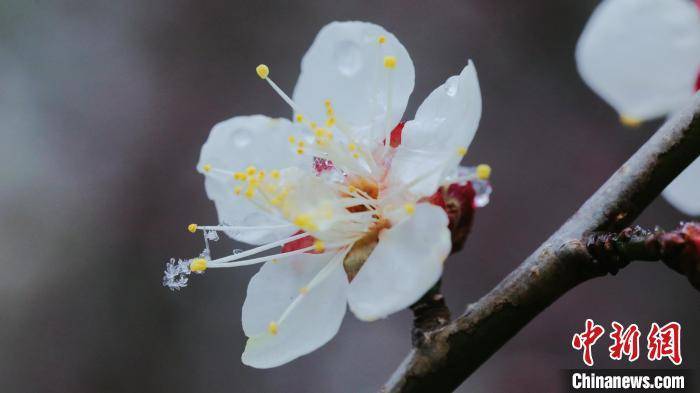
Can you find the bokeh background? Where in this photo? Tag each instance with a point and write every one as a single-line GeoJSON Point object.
{"type": "Point", "coordinates": [104, 106]}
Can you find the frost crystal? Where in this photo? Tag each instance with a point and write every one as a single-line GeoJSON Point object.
{"type": "Point", "coordinates": [211, 235]}
{"type": "Point", "coordinates": [176, 274]}
{"type": "Point", "coordinates": [482, 189]}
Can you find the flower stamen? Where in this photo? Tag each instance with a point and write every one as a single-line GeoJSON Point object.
{"type": "Point", "coordinates": [232, 260]}
{"type": "Point", "coordinates": [483, 172]}
{"type": "Point", "coordinates": [272, 328]}
{"type": "Point", "coordinates": [263, 72]}
{"type": "Point", "coordinates": [389, 64]}
{"type": "Point", "coordinates": [198, 265]}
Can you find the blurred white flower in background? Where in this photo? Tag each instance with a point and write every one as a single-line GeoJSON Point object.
{"type": "Point", "coordinates": [345, 189]}
{"type": "Point", "coordinates": [643, 58]}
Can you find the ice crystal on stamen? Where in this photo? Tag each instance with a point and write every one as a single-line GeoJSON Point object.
{"type": "Point", "coordinates": [176, 274]}
{"type": "Point", "coordinates": [482, 187]}
{"type": "Point", "coordinates": [483, 190]}
{"type": "Point", "coordinates": [326, 170]}
{"type": "Point", "coordinates": [322, 164]}
{"type": "Point", "coordinates": [212, 235]}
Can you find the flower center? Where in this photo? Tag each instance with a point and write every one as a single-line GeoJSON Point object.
{"type": "Point", "coordinates": [362, 186]}
{"type": "Point", "coordinates": [360, 251]}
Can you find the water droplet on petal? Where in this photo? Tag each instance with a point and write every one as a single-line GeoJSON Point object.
{"type": "Point", "coordinates": [241, 138]}
{"type": "Point", "coordinates": [348, 58]}
{"type": "Point", "coordinates": [451, 87]}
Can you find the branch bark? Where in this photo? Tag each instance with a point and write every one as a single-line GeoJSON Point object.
{"type": "Point", "coordinates": [449, 354]}
{"type": "Point", "coordinates": [429, 314]}
{"type": "Point", "coordinates": [678, 249]}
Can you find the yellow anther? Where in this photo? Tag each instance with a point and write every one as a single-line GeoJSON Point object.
{"type": "Point", "coordinates": [355, 155]}
{"type": "Point", "coordinates": [483, 171]}
{"type": "Point", "coordinates": [299, 118]}
{"type": "Point", "coordinates": [250, 170]}
{"type": "Point", "coordinates": [352, 146]}
{"type": "Point", "coordinates": [276, 201]}
{"type": "Point", "coordinates": [291, 139]}
{"type": "Point", "coordinates": [352, 188]}
{"type": "Point", "coordinates": [263, 71]}
{"type": "Point", "coordinates": [409, 207]}
{"type": "Point", "coordinates": [313, 124]}
{"type": "Point", "coordinates": [206, 167]}
{"type": "Point", "coordinates": [462, 151]}
{"type": "Point", "coordinates": [300, 151]}
{"type": "Point", "coordinates": [327, 103]}
{"type": "Point", "coordinates": [629, 121]}
{"type": "Point", "coordinates": [250, 192]}
{"type": "Point", "coordinates": [275, 174]}
{"type": "Point", "coordinates": [192, 228]}
{"type": "Point", "coordinates": [304, 290]}
{"type": "Point", "coordinates": [302, 220]}
{"type": "Point", "coordinates": [330, 122]}
{"type": "Point", "coordinates": [319, 132]}
{"type": "Point", "coordinates": [240, 176]}
{"type": "Point", "coordinates": [261, 174]}
{"type": "Point", "coordinates": [319, 246]}
{"type": "Point", "coordinates": [198, 265]}
{"type": "Point", "coordinates": [329, 111]}
{"type": "Point", "coordinates": [254, 182]}
{"type": "Point", "coordinates": [381, 39]}
{"type": "Point", "coordinates": [237, 190]}
{"type": "Point", "coordinates": [327, 213]}
{"type": "Point", "coordinates": [305, 222]}
{"type": "Point", "coordinates": [390, 62]}
{"type": "Point", "coordinates": [329, 135]}
{"type": "Point", "coordinates": [272, 328]}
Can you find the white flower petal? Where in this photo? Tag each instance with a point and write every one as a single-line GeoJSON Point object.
{"type": "Point", "coordinates": [445, 123]}
{"type": "Point", "coordinates": [314, 318]}
{"type": "Point", "coordinates": [423, 169]}
{"type": "Point", "coordinates": [345, 65]}
{"type": "Point", "coordinates": [684, 192]}
{"type": "Point", "coordinates": [233, 145]}
{"type": "Point", "coordinates": [406, 263]}
{"type": "Point", "coordinates": [641, 56]}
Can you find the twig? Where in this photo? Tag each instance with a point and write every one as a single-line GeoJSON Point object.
{"type": "Point", "coordinates": [453, 352]}
{"type": "Point", "coordinates": [429, 313]}
{"type": "Point", "coordinates": [678, 249]}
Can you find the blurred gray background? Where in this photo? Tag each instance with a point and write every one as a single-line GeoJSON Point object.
{"type": "Point", "coordinates": [104, 106]}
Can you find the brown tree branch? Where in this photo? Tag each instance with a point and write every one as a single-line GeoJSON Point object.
{"type": "Point", "coordinates": [678, 249]}
{"type": "Point", "coordinates": [429, 313]}
{"type": "Point", "coordinates": [451, 353]}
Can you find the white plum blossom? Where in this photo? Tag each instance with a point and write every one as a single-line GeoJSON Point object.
{"type": "Point", "coordinates": [334, 188]}
{"type": "Point", "coordinates": [643, 58]}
